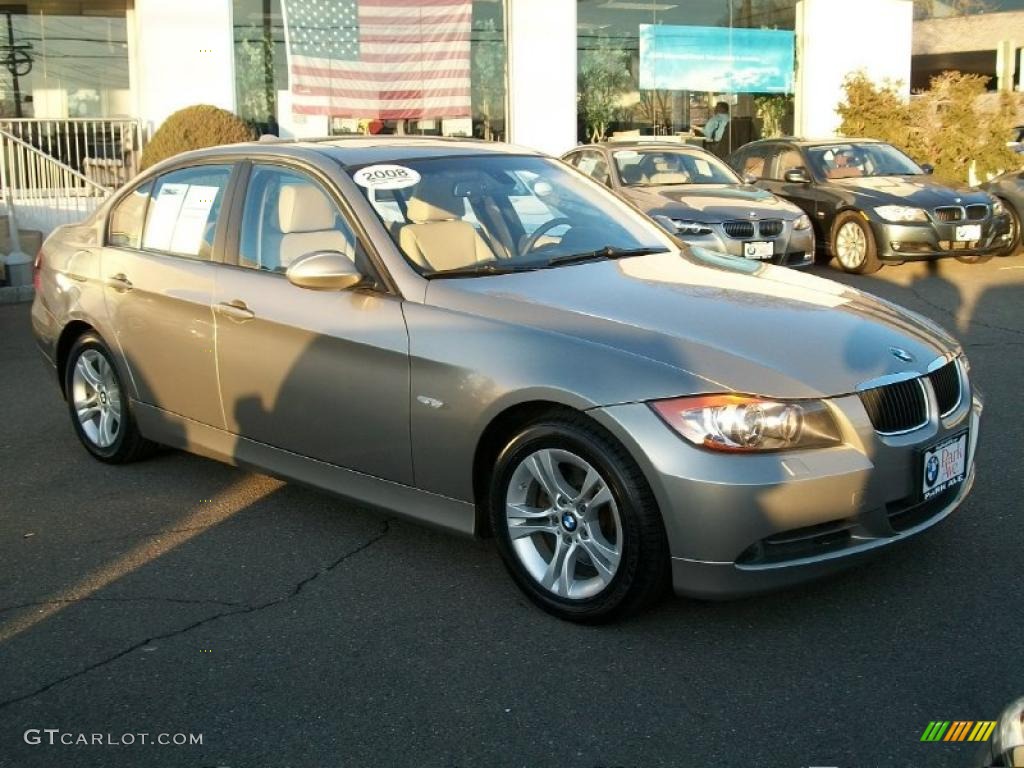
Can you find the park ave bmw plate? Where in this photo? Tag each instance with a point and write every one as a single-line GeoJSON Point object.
{"type": "Point", "coordinates": [944, 466]}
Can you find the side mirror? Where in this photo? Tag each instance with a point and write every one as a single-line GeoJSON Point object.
{"type": "Point", "coordinates": [797, 176]}
{"type": "Point", "coordinates": [666, 223]}
{"type": "Point", "coordinates": [324, 271]}
{"type": "Point", "coordinates": [928, 168]}
{"type": "Point", "coordinates": [749, 178]}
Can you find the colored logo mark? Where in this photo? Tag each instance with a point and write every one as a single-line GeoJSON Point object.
{"type": "Point", "coordinates": [958, 730]}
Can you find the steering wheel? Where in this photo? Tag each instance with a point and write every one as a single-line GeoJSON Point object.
{"type": "Point", "coordinates": [531, 240]}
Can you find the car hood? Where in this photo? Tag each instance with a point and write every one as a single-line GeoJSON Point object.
{"type": "Point", "coordinates": [710, 202]}
{"type": "Point", "coordinates": [917, 191]}
{"type": "Point", "coordinates": [734, 325]}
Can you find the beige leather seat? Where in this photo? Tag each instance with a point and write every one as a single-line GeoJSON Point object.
{"type": "Point", "coordinates": [665, 173]}
{"type": "Point", "coordinates": [306, 218]}
{"type": "Point", "coordinates": [438, 239]}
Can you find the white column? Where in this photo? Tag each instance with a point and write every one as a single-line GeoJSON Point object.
{"type": "Point", "coordinates": [542, 74]}
{"type": "Point", "coordinates": [828, 50]}
{"type": "Point", "coordinates": [183, 54]}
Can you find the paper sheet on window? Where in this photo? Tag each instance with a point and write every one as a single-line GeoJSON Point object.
{"type": "Point", "coordinates": [163, 213]}
{"type": "Point", "coordinates": [703, 166]}
{"type": "Point", "coordinates": [191, 224]}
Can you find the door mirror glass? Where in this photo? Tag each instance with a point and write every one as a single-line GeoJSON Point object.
{"type": "Point", "coordinates": [928, 168]}
{"type": "Point", "coordinates": [797, 176]}
{"type": "Point", "coordinates": [324, 271]}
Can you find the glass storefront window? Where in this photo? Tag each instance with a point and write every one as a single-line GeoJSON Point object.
{"type": "Point", "coordinates": [712, 72]}
{"type": "Point", "coordinates": [64, 59]}
{"type": "Point", "coordinates": [371, 67]}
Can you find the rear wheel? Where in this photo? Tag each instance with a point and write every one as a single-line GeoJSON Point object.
{"type": "Point", "coordinates": [99, 406]}
{"type": "Point", "coordinates": [853, 244]}
{"type": "Point", "coordinates": [575, 522]}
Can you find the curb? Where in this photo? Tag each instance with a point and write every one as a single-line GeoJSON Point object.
{"type": "Point", "coordinates": [16, 294]}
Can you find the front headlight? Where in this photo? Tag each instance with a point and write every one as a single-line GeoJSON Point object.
{"type": "Point", "coordinates": [691, 227]}
{"type": "Point", "coordinates": [901, 213]}
{"type": "Point", "coordinates": [804, 222]}
{"type": "Point", "coordinates": [742, 423]}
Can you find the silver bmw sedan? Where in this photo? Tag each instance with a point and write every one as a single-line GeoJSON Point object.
{"type": "Point", "coordinates": [480, 338]}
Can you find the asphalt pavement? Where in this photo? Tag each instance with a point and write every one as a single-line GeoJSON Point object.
{"type": "Point", "coordinates": [283, 627]}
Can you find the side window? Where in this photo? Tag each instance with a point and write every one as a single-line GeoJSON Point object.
{"type": "Point", "coordinates": [287, 215]}
{"type": "Point", "coordinates": [125, 227]}
{"type": "Point", "coordinates": [573, 159]}
{"type": "Point", "coordinates": [754, 162]}
{"type": "Point", "coordinates": [182, 214]}
{"type": "Point", "coordinates": [786, 160]}
{"type": "Point", "coordinates": [594, 165]}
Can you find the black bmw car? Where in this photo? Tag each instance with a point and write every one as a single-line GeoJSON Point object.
{"type": "Point", "coordinates": [872, 205]}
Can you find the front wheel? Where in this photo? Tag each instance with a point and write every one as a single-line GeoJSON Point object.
{"type": "Point", "coordinates": [575, 522]}
{"type": "Point", "coordinates": [99, 406]}
{"type": "Point", "coordinates": [853, 244]}
{"type": "Point", "coordinates": [1013, 245]}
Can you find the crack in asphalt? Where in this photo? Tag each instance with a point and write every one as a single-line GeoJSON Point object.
{"type": "Point", "coordinates": [241, 609]}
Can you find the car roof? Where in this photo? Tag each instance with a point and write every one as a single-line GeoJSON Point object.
{"type": "Point", "coordinates": [360, 150]}
{"type": "Point", "coordinates": [804, 142]}
{"type": "Point", "coordinates": [652, 143]}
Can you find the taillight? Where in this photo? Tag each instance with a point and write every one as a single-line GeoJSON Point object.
{"type": "Point", "coordinates": [37, 265]}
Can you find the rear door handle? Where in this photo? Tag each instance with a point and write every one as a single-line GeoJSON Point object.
{"type": "Point", "coordinates": [120, 282]}
{"type": "Point", "coordinates": [236, 309]}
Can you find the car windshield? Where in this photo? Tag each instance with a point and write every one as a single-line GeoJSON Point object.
{"type": "Point", "coordinates": [843, 161]}
{"type": "Point", "coordinates": [661, 167]}
{"type": "Point", "coordinates": [489, 214]}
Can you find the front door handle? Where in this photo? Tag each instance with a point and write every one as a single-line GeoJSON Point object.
{"type": "Point", "coordinates": [120, 282]}
{"type": "Point", "coordinates": [236, 310]}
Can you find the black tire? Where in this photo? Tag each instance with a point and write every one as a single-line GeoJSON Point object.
{"type": "Point", "coordinates": [1015, 240]}
{"type": "Point", "coordinates": [870, 263]}
{"type": "Point", "coordinates": [643, 570]}
{"type": "Point", "coordinates": [129, 444]}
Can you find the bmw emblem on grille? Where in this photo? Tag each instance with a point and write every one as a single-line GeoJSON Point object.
{"type": "Point", "coordinates": [901, 354]}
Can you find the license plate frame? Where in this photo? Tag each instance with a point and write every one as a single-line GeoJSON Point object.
{"type": "Point", "coordinates": [967, 233]}
{"type": "Point", "coordinates": [949, 467]}
{"type": "Point", "coordinates": [758, 250]}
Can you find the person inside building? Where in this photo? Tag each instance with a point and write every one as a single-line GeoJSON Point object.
{"type": "Point", "coordinates": [716, 130]}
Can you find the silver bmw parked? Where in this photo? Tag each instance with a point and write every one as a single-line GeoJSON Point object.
{"type": "Point", "coordinates": [478, 337]}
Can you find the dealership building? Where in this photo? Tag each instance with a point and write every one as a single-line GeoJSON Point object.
{"type": "Point", "coordinates": [542, 73]}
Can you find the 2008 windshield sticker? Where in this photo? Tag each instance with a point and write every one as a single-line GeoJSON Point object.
{"type": "Point", "coordinates": [386, 177]}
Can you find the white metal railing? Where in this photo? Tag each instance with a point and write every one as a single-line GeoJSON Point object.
{"type": "Point", "coordinates": [105, 150]}
{"type": "Point", "coordinates": [40, 192]}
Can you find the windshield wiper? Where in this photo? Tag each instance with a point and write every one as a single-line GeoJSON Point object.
{"type": "Point", "coordinates": [608, 252]}
{"type": "Point", "coordinates": [486, 268]}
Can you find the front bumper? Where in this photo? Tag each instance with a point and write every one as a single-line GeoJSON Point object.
{"type": "Point", "coordinates": [936, 240]}
{"type": "Point", "coordinates": [741, 524]}
{"type": "Point", "coordinates": [790, 248]}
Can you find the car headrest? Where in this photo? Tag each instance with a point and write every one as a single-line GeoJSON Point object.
{"type": "Point", "coordinates": [435, 200]}
{"type": "Point", "coordinates": [303, 208]}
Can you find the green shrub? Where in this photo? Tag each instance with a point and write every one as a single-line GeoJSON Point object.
{"type": "Point", "coordinates": [947, 126]}
{"type": "Point", "coordinates": [194, 128]}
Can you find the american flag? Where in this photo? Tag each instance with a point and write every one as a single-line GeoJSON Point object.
{"type": "Point", "coordinates": [382, 59]}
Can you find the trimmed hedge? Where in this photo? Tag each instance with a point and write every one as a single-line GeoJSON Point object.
{"type": "Point", "coordinates": [194, 128]}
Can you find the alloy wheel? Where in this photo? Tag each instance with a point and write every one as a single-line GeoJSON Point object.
{"type": "Point", "coordinates": [851, 245]}
{"type": "Point", "coordinates": [97, 398]}
{"type": "Point", "coordinates": [564, 523]}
